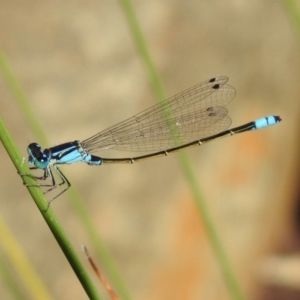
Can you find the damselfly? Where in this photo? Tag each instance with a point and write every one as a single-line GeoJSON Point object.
{"type": "Point", "coordinates": [192, 117]}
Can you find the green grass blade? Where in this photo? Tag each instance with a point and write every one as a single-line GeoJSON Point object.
{"type": "Point", "coordinates": [103, 253]}
{"type": "Point", "coordinates": [141, 45]}
{"type": "Point", "coordinates": [293, 11]}
{"type": "Point", "coordinates": [48, 216]}
{"type": "Point", "coordinates": [21, 98]}
{"type": "Point", "coordinates": [14, 285]}
{"type": "Point", "coordinates": [184, 159]}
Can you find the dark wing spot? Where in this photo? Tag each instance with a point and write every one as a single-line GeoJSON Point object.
{"type": "Point", "coordinates": [216, 86]}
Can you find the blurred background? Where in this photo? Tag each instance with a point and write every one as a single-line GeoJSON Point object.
{"type": "Point", "coordinates": [78, 64]}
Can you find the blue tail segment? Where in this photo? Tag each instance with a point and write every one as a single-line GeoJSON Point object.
{"type": "Point", "coordinates": [266, 121]}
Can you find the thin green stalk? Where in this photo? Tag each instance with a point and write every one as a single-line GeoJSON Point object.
{"type": "Point", "coordinates": [22, 266]}
{"type": "Point", "coordinates": [16, 291]}
{"type": "Point", "coordinates": [293, 11]}
{"type": "Point", "coordinates": [48, 215]}
{"type": "Point", "coordinates": [142, 47]}
{"type": "Point", "coordinates": [186, 165]}
{"type": "Point", "coordinates": [102, 252]}
{"type": "Point", "coordinates": [21, 98]}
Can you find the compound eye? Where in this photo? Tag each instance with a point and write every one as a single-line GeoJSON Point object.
{"type": "Point", "coordinates": [42, 161]}
{"type": "Point", "coordinates": [34, 149]}
{"type": "Point", "coordinates": [37, 157]}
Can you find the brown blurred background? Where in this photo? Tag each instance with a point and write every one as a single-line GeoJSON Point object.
{"type": "Point", "coordinates": [77, 62]}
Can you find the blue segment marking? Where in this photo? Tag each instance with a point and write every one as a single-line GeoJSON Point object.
{"type": "Point", "coordinates": [266, 121]}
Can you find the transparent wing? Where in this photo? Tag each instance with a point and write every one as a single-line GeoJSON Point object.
{"type": "Point", "coordinates": [195, 113]}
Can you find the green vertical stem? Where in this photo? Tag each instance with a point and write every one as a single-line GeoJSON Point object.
{"type": "Point", "coordinates": [107, 261]}
{"type": "Point", "coordinates": [186, 165]}
{"type": "Point", "coordinates": [141, 45]}
{"type": "Point", "coordinates": [48, 215]}
{"type": "Point", "coordinates": [293, 11]}
{"type": "Point", "coordinates": [21, 98]}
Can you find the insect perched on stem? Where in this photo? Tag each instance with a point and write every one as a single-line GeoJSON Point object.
{"type": "Point", "coordinates": [192, 117]}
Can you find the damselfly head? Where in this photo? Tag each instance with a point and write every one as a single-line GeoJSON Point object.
{"type": "Point", "coordinates": [37, 157]}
